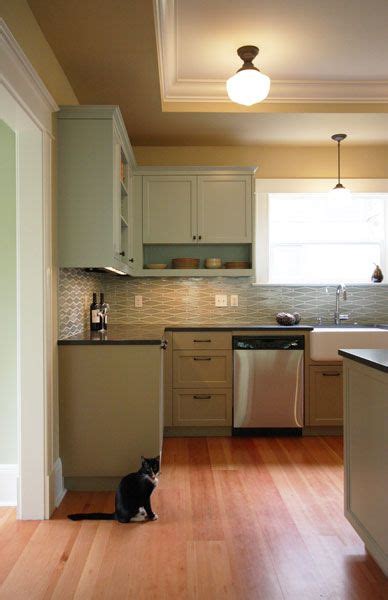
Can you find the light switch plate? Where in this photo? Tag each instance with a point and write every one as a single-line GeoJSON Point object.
{"type": "Point", "coordinates": [221, 300]}
{"type": "Point", "coordinates": [138, 301]}
{"type": "Point", "coordinates": [234, 300]}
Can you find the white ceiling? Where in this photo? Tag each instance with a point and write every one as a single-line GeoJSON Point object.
{"type": "Point", "coordinates": [299, 39]}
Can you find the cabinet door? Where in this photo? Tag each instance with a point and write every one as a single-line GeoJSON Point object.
{"type": "Point", "coordinates": [169, 209]}
{"type": "Point", "coordinates": [225, 209]}
{"type": "Point", "coordinates": [326, 395]}
{"type": "Point", "coordinates": [118, 238]}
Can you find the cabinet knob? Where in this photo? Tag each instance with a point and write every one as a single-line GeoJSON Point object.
{"type": "Point", "coordinates": [122, 253]}
{"type": "Point", "coordinates": [200, 237]}
{"type": "Point", "coordinates": [130, 260]}
{"type": "Point", "coordinates": [194, 237]}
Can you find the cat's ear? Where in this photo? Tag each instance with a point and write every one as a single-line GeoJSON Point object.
{"type": "Point", "coordinates": [143, 458]}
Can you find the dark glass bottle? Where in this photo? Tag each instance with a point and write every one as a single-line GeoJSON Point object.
{"type": "Point", "coordinates": [104, 312]}
{"type": "Point", "coordinates": [94, 314]}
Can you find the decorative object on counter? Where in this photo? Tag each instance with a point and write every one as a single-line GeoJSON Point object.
{"type": "Point", "coordinates": [94, 311]}
{"type": "Point", "coordinates": [237, 264]}
{"type": "Point", "coordinates": [133, 496]}
{"type": "Point", "coordinates": [287, 319]}
{"type": "Point", "coordinates": [213, 263]}
{"type": "Point", "coordinates": [339, 191]}
{"type": "Point", "coordinates": [248, 86]}
{"type": "Point", "coordinates": [377, 275]}
{"type": "Point", "coordinates": [156, 266]}
{"type": "Point", "coordinates": [104, 307]}
{"type": "Point", "coordinates": [185, 263]}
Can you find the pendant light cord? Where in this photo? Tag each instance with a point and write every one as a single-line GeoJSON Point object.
{"type": "Point", "coordinates": [339, 162]}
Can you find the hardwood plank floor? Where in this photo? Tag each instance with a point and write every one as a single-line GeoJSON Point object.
{"type": "Point", "coordinates": [239, 518]}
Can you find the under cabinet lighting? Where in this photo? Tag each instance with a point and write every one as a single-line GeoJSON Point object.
{"type": "Point", "coordinates": [117, 271]}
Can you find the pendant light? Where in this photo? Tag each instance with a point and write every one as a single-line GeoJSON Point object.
{"type": "Point", "coordinates": [248, 86]}
{"type": "Point", "coordinates": [339, 191]}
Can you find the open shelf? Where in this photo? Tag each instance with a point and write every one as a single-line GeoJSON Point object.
{"type": "Point", "coordinates": [197, 272]}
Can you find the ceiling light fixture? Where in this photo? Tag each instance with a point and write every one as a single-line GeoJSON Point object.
{"type": "Point", "coordinates": [248, 86]}
{"type": "Point", "coordinates": [339, 191]}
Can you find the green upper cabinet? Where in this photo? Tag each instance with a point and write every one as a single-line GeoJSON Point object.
{"type": "Point", "coordinates": [169, 209]}
{"type": "Point", "coordinates": [95, 163]}
{"type": "Point", "coordinates": [225, 209]}
{"type": "Point", "coordinates": [201, 209]}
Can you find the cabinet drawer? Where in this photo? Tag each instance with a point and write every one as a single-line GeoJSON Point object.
{"type": "Point", "coordinates": [193, 369]}
{"type": "Point", "coordinates": [202, 407]}
{"type": "Point", "coordinates": [202, 340]}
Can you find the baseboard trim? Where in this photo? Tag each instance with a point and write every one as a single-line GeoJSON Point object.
{"type": "Point", "coordinates": [197, 431]}
{"type": "Point", "coordinates": [322, 430]}
{"type": "Point", "coordinates": [9, 485]}
{"type": "Point", "coordinates": [59, 484]}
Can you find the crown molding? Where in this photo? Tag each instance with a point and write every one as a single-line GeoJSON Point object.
{"type": "Point", "coordinates": [175, 89]}
{"type": "Point", "coordinates": [16, 69]}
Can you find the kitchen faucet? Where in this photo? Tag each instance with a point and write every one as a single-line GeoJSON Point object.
{"type": "Point", "coordinates": [338, 317]}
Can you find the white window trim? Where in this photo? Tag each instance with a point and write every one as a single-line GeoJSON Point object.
{"type": "Point", "coordinates": [264, 187]}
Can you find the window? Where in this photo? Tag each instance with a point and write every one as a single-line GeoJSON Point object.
{"type": "Point", "coordinates": [310, 238]}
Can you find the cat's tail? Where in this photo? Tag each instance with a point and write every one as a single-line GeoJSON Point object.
{"type": "Point", "coordinates": [92, 517]}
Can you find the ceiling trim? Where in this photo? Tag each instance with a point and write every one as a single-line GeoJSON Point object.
{"type": "Point", "coordinates": [175, 89]}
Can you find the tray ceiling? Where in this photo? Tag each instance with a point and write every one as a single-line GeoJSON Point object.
{"type": "Point", "coordinates": [313, 51]}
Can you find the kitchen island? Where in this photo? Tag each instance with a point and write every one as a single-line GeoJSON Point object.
{"type": "Point", "coordinates": [366, 448]}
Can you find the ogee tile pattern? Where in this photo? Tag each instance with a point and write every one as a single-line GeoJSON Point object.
{"type": "Point", "coordinates": [191, 301]}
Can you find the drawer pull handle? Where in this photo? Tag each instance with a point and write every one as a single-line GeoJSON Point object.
{"type": "Point", "coordinates": [202, 341]}
{"type": "Point", "coordinates": [331, 374]}
{"type": "Point", "coordinates": [202, 358]}
{"type": "Point", "coordinates": [202, 397]}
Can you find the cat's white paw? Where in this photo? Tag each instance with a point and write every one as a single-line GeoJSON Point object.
{"type": "Point", "coordinates": [142, 511]}
{"type": "Point", "coordinates": [139, 518]}
{"type": "Point", "coordinates": [154, 518]}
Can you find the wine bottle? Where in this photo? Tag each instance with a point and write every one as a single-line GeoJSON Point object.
{"type": "Point", "coordinates": [94, 314]}
{"type": "Point", "coordinates": [103, 312]}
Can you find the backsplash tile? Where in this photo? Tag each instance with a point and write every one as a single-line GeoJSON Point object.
{"type": "Point", "coordinates": [191, 301]}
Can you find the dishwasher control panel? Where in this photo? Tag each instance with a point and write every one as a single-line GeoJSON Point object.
{"type": "Point", "coordinates": [268, 342]}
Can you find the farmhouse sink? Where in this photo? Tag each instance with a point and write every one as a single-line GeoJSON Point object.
{"type": "Point", "coordinates": [326, 341]}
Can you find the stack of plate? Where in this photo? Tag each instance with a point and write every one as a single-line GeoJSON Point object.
{"type": "Point", "coordinates": [185, 263]}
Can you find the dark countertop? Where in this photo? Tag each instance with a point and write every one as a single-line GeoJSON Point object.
{"type": "Point", "coordinates": [119, 335]}
{"type": "Point", "coordinates": [236, 327]}
{"type": "Point", "coordinates": [377, 359]}
{"type": "Point", "coordinates": [153, 334]}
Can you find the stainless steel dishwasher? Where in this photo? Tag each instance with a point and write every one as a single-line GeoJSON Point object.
{"type": "Point", "coordinates": [268, 384]}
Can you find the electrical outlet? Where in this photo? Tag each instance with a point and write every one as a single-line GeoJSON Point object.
{"type": "Point", "coordinates": [138, 301]}
{"type": "Point", "coordinates": [221, 300]}
{"type": "Point", "coordinates": [234, 300]}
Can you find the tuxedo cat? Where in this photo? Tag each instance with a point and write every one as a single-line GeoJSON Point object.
{"type": "Point", "coordinates": [133, 496]}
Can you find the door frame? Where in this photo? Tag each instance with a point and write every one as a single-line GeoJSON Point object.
{"type": "Point", "coordinates": [27, 107]}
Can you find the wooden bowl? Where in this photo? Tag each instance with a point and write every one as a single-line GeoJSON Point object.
{"type": "Point", "coordinates": [156, 266]}
{"type": "Point", "coordinates": [185, 263]}
{"type": "Point", "coordinates": [237, 264]}
{"type": "Point", "coordinates": [213, 263]}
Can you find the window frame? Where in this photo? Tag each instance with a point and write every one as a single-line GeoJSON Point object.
{"type": "Point", "coordinates": [264, 187]}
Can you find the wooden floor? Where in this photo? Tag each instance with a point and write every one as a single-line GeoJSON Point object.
{"type": "Point", "coordinates": [253, 518]}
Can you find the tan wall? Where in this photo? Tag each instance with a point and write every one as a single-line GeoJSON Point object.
{"type": "Point", "coordinates": [23, 25]}
{"type": "Point", "coordinates": [275, 161]}
{"type": "Point", "coordinates": [20, 20]}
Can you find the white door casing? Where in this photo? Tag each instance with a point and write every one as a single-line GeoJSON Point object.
{"type": "Point", "coordinates": [26, 107]}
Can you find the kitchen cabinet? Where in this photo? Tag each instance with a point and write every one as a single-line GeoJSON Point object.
{"type": "Point", "coordinates": [182, 209]}
{"type": "Point", "coordinates": [199, 381]}
{"type": "Point", "coordinates": [325, 395]}
{"type": "Point", "coordinates": [111, 411]}
{"type": "Point", "coordinates": [95, 193]}
{"type": "Point", "coordinates": [195, 213]}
